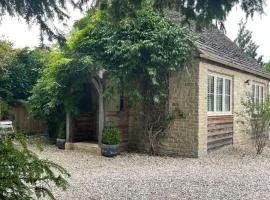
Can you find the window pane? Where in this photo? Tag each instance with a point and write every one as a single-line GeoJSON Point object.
{"type": "Point", "coordinates": [219, 94]}
{"type": "Point", "coordinates": [253, 92]}
{"type": "Point", "coordinates": [257, 93]}
{"type": "Point", "coordinates": [227, 87]}
{"type": "Point", "coordinates": [261, 95]}
{"type": "Point", "coordinates": [219, 86]}
{"type": "Point", "coordinates": [227, 100]}
{"type": "Point", "coordinates": [210, 99]}
{"type": "Point", "coordinates": [211, 84]}
{"type": "Point", "coordinates": [227, 103]}
{"type": "Point", "coordinates": [210, 102]}
{"type": "Point", "coordinates": [219, 103]}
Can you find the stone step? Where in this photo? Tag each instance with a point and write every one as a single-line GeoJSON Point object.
{"type": "Point", "coordinates": [84, 146]}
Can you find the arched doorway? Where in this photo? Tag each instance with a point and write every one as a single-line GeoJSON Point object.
{"type": "Point", "coordinates": [87, 126]}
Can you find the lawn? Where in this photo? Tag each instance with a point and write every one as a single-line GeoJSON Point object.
{"type": "Point", "coordinates": [223, 174]}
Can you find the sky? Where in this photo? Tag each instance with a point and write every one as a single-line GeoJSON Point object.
{"type": "Point", "coordinates": [259, 25]}
{"type": "Point", "coordinates": [21, 34]}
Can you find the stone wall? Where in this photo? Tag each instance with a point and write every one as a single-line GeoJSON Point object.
{"type": "Point", "coordinates": [119, 117]}
{"type": "Point", "coordinates": [239, 94]}
{"type": "Point", "coordinates": [182, 136]}
{"type": "Point", "coordinates": [137, 139]}
{"type": "Point", "coordinates": [188, 93]}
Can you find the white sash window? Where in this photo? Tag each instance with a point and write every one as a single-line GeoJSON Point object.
{"type": "Point", "coordinates": [219, 98]}
{"type": "Point", "coordinates": [257, 93]}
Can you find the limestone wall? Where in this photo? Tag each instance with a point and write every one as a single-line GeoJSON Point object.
{"type": "Point", "coordinates": [182, 136]}
{"type": "Point", "coordinates": [240, 87]}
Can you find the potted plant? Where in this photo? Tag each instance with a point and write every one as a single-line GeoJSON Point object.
{"type": "Point", "coordinates": [110, 141]}
{"type": "Point", "coordinates": [61, 136]}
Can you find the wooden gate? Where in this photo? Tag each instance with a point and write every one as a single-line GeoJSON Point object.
{"type": "Point", "coordinates": [23, 122]}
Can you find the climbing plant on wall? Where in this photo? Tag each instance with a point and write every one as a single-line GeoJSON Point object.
{"type": "Point", "coordinates": [138, 52]}
{"type": "Point", "coordinates": [141, 49]}
{"type": "Point", "coordinates": [59, 88]}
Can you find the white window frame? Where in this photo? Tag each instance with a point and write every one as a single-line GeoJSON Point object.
{"type": "Point", "coordinates": [219, 113]}
{"type": "Point", "coordinates": [260, 85]}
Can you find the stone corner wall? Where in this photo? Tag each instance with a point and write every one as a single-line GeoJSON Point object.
{"type": "Point", "coordinates": [137, 139]}
{"type": "Point", "coordinates": [120, 118]}
{"type": "Point", "coordinates": [182, 136]}
{"type": "Point", "coordinates": [239, 93]}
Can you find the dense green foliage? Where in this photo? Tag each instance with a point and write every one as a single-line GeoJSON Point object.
{"type": "Point", "coordinates": [22, 73]}
{"type": "Point", "coordinates": [138, 53]}
{"type": "Point", "coordinates": [140, 50]}
{"type": "Point", "coordinates": [200, 12]}
{"type": "Point", "coordinates": [246, 43]}
{"type": "Point", "coordinates": [44, 12]}
{"type": "Point", "coordinates": [41, 12]}
{"type": "Point", "coordinates": [111, 135]}
{"type": "Point", "coordinates": [204, 12]}
{"type": "Point", "coordinates": [60, 86]}
{"type": "Point", "coordinates": [4, 110]}
{"type": "Point", "coordinates": [255, 118]}
{"type": "Point", "coordinates": [144, 49]}
{"type": "Point", "coordinates": [23, 175]}
{"type": "Point", "coordinates": [266, 66]}
{"type": "Point", "coordinates": [60, 89]}
{"type": "Point", "coordinates": [6, 56]}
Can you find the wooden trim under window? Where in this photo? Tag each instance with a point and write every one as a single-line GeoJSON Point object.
{"type": "Point", "coordinates": [219, 131]}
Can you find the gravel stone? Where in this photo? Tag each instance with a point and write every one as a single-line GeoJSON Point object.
{"type": "Point", "coordinates": [228, 173]}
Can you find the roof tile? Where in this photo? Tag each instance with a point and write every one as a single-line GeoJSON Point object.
{"type": "Point", "coordinates": [214, 42]}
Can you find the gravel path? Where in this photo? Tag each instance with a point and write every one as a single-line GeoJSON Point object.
{"type": "Point", "coordinates": [224, 174]}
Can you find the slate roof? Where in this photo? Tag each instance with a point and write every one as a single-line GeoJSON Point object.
{"type": "Point", "coordinates": [214, 43]}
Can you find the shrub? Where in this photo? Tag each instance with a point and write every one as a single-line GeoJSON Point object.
{"type": "Point", "coordinates": [4, 110]}
{"type": "Point", "coordinates": [62, 130]}
{"type": "Point", "coordinates": [256, 121]}
{"type": "Point", "coordinates": [23, 175]}
{"type": "Point", "coordinates": [111, 135]}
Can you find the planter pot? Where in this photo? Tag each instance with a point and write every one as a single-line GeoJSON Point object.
{"type": "Point", "coordinates": [109, 150]}
{"type": "Point", "coordinates": [60, 143]}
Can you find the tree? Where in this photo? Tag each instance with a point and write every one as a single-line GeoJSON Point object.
{"type": "Point", "coordinates": [245, 42]}
{"type": "Point", "coordinates": [37, 11]}
{"type": "Point", "coordinates": [138, 52]}
{"type": "Point", "coordinates": [202, 12]}
{"type": "Point", "coordinates": [23, 175]}
{"type": "Point", "coordinates": [41, 12]}
{"type": "Point", "coordinates": [255, 118]}
{"type": "Point", "coordinates": [60, 88]}
{"type": "Point", "coordinates": [44, 12]}
{"type": "Point", "coordinates": [6, 56]}
{"type": "Point", "coordinates": [267, 66]}
{"type": "Point", "coordinates": [21, 73]}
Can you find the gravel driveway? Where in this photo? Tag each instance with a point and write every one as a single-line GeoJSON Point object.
{"type": "Point", "coordinates": [224, 174]}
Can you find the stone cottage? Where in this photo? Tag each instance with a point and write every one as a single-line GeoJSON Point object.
{"type": "Point", "coordinates": [210, 92]}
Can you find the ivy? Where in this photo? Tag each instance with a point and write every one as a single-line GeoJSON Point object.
{"type": "Point", "coordinates": [60, 86]}
{"type": "Point", "coordinates": [143, 49]}
{"type": "Point", "coordinates": [138, 53]}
